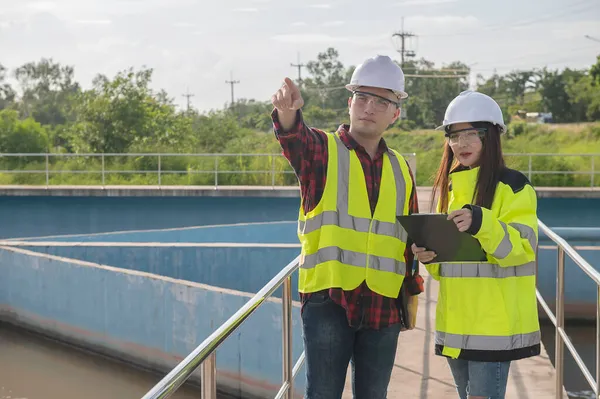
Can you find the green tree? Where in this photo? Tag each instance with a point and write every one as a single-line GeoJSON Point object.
{"type": "Point", "coordinates": [21, 136]}
{"type": "Point", "coordinates": [584, 94]}
{"type": "Point", "coordinates": [518, 83]}
{"type": "Point", "coordinates": [124, 111]}
{"type": "Point", "coordinates": [326, 85]}
{"type": "Point", "coordinates": [428, 95]}
{"type": "Point", "coordinates": [253, 114]}
{"type": "Point", "coordinates": [48, 91]}
{"type": "Point", "coordinates": [595, 71]}
{"type": "Point", "coordinates": [552, 86]}
{"type": "Point", "coordinates": [214, 130]}
{"type": "Point", "coordinates": [7, 94]}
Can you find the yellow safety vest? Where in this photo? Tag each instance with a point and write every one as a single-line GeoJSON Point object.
{"type": "Point", "coordinates": [342, 243]}
{"type": "Point", "coordinates": [488, 311]}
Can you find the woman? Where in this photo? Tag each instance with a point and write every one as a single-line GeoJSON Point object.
{"type": "Point", "coordinates": [486, 312]}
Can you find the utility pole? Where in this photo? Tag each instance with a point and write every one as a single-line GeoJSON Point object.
{"type": "Point", "coordinates": [299, 66]}
{"type": "Point", "coordinates": [232, 83]}
{"type": "Point", "coordinates": [188, 95]}
{"type": "Point", "coordinates": [404, 53]}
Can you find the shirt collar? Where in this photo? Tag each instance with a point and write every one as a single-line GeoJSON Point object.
{"type": "Point", "coordinates": [349, 141]}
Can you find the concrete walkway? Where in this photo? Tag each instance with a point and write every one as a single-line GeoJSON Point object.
{"type": "Point", "coordinates": [420, 374]}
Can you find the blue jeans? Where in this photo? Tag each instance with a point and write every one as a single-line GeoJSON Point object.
{"type": "Point", "coordinates": [487, 379]}
{"type": "Point", "coordinates": [330, 344]}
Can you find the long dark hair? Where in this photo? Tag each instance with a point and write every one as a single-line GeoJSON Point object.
{"type": "Point", "coordinates": [491, 164]}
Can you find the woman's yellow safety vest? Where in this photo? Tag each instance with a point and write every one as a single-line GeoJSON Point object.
{"type": "Point", "coordinates": [488, 311]}
{"type": "Point", "coordinates": [342, 242]}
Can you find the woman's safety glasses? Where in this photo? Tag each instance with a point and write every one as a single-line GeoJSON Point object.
{"type": "Point", "coordinates": [466, 136]}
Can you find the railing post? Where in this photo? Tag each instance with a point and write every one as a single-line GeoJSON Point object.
{"type": "Point", "coordinates": [530, 167]}
{"type": "Point", "coordinates": [47, 169]}
{"type": "Point", "coordinates": [273, 171]}
{"type": "Point", "coordinates": [414, 169]}
{"type": "Point", "coordinates": [598, 341]}
{"type": "Point", "coordinates": [102, 169]}
{"type": "Point", "coordinates": [208, 382]}
{"type": "Point", "coordinates": [560, 323]}
{"type": "Point", "coordinates": [216, 171]}
{"type": "Point", "coordinates": [159, 169]}
{"type": "Point", "coordinates": [286, 328]}
{"type": "Point", "coordinates": [593, 173]}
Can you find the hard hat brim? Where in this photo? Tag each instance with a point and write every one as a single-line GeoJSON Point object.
{"type": "Point", "coordinates": [400, 94]}
{"type": "Point", "coordinates": [501, 127]}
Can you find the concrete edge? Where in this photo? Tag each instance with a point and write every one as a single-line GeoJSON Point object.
{"type": "Point", "coordinates": [225, 191]}
{"type": "Point", "coordinates": [143, 274]}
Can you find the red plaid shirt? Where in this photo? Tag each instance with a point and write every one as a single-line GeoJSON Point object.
{"type": "Point", "coordinates": [306, 150]}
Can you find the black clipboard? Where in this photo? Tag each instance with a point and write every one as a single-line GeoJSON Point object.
{"type": "Point", "coordinates": [436, 233]}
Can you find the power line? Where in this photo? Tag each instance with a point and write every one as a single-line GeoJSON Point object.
{"type": "Point", "coordinates": [527, 67]}
{"type": "Point", "coordinates": [502, 60]}
{"type": "Point", "coordinates": [232, 83]}
{"type": "Point", "coordinates": [408, 75]}
{"type": "Point", "coordinates": [403, 36]}
{"type": "Point", "coordinates": [592, 38]}
{"type": "Point", "coordinates": [572, 9]}
{"type": "Point", "coordinates": [188, 95]}
{"type": "Point", "coordinates": [417, 76]}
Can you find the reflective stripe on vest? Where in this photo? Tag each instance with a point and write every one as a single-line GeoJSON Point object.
{"type": "Point", "coordinates": [505, 247]}
{"type": "Point", "coordinates": [488, 342]}
{"type": "Point", "coordinates": [488, 270]}
{"type": "Point", "coordinates": [343, 219]}
{"type": "Point", "coordinates": [354, 259]}
{"type": "Point", "coordinates": [353, 223]}
{"type": "Point", "coordinates": [526, 232]}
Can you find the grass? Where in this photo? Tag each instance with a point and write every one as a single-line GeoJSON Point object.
{"type": "Point", "coordinates": [522, 138]}
{"type": "Point", "coordinates": [566, 140]}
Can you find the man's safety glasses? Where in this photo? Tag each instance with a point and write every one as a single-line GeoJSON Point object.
{"type": "Point", "coordinates": [380, 104]}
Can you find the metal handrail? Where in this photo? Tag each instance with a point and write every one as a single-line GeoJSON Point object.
{"type": "Point", "coordinates": [159, 171]}
{"type": "Point", "coordinates": [205, 354]}
{"type": "Point", "coordinates": [561, 337]}
{"type": "Point", "coordinates": [530, 171]}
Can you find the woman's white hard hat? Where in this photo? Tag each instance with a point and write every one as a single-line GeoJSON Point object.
{"type": "Point", "coordinates": [472, 106]}
{"type": "Point", "coordinates": [379, 71]}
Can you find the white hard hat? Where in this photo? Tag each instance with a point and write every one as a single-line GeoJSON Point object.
{"type": "Point", "coordinates": [379, 71]}
{"type": "Point", "coordinates": [472, 106]}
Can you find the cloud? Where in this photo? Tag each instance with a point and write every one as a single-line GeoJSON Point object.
{"type": "Point", "coordinates": [42, 6]}
{"type": "Point", "coordinates": [360, 41]}
{"type": "Point", "coordinates": [245, 9]}
{"type": "Point", "coordinates": [445, 20]}
{"type": "Point", "coordinates": [333, 23]}
{"type": "Point", "coordinates": [321, 6]}
{"type": "Point", "coordinates": [299, 23]}
{"type": "Point", "coordinates": [184, 25]}
{"type": "Point", "coordinates": [94, 21]}
{"type": "Point", "coordinates": [423, 2]}
{"type": "Point", "coordinates": [108, 45]}
{"type": "Point", "coordinates": [309, 38]}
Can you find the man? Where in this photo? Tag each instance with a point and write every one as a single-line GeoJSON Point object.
{"type": "Point", "coordinates": [354, 252]}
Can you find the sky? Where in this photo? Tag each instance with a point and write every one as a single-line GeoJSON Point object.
{"type": "Point", "coordinates": [198, 45]}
